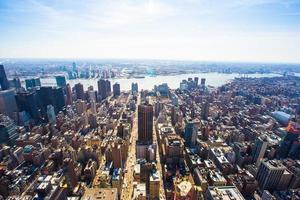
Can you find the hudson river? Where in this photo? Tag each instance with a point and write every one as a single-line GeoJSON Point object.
{"type": "Point", "coordinates": [173, 81]}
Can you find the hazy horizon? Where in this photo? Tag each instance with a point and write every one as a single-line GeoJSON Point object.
{"type": "Point", "coordinates": [261, 31]}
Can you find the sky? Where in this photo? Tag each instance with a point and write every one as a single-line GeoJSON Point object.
{"type": "Point", "coordinates": [206, 30]}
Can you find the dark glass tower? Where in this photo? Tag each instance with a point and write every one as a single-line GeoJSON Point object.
{"type": "Point", "coordinates": [145, 123]}
{"type": "Point", "coordinates": [3, 79]}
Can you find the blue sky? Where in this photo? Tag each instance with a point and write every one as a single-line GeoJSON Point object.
{"type": "Point", "coordinates": [218, 30]}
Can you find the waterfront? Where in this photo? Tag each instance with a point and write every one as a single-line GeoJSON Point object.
{"type": "Point", "coordinates": [173, 81]}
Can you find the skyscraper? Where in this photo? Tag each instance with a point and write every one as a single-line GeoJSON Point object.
{"type": "Point", "coordinates": [61, 81]}
{"type": "Point", "coordinates": [8, 130]}
{"type": "Point", "coordinates": [79, 91]}
{"type": "Point", "coordinates": [69, 95]}
{"type": "Point", "coordinates": [145, 123]}
{"type": "Point", "coordinates": [33, 82]}
{"type": "Point", "coordinates": [28, 102]}
{"type": "Point", "coordinates": [51, 114]}
{"type": "Point", "coordinates": [45, 98]}
{"type": "Point", "coordinates": [205, 110]}
{"type": "Point", "coordinates": [116, 89]}
{"type": "Point", "coordinates": [190, 133]}
{"type": "Point", "coordinates": [203, 81]}
{"type": "Point", "coordinates": [261, 145]}
{"type": "Point", "coordinates": [290, 140]}
{"type": "Point", "coordinates": [3, 79]}
{"type": "Point", "coordinates": [104, 88]}
{"type": "Point", "coordinates": [59, 99]}
{"type": "Point", "coordinates": [8, 102]}
{"type": "Point", "coordinates": [134, 88]}
{"type": "Point", "coordinates": [269, 174]}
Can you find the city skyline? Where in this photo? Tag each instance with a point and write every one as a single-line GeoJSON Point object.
{"type": "Point", "coordinates": [241, 30]}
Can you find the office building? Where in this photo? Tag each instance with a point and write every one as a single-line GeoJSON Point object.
{"type": "Point", "coordinates": [116, 90]}
{"type": "Point", "coordinates": [15, 83]}
{"type": "Point", "coordinates": [190, 133]}
{"type": "Point", "coordinates": [104, 89]}
{"type": "Point", "coordinates": [51, 114]}
{"type": "Point", "coordinates": [260, 148]}
{"type": "Point", "coordinates": [269, 174]}
{"type": "Point", "coordinates": [290, 143]}
{"type": "Point", "coordinates": [69, 96]}
{"type": "Point", "coordinates": [32, 83]}
{"type": "Point", "coordinates": [28, 102]}
{"type": "Point", "coordinates": [134, 88]}
{"type": "Point", "coordinates": [61, 81]}
{"type": "Point", "coordinates": [145, 123]}
{"type": "Point", "coordinates": [203, 80]}
{"type": "Point", "coordinates": [223, 192]}
{"type": "Point", "coordinates": [154, 185]}
{"type": "Point", "coordinates": [8, 104]}
{"type": "Point", "coordinates": [79, 91]}
{"type": "Point", "coordinates": [3, 79]}
{"type": "Point", "coordinates": [59, 99]}
{"type": "Point", "coordinates": [8, 130]}
{"type": "Point", "coordinates": [205, 110]}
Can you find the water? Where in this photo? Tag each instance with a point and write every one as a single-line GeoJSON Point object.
{"type": "Point", "coordinates": [147, 83]}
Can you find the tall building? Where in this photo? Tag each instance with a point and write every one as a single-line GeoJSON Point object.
{"type": "Point", "coordinates": [269, 174]}
{"type": "Point", "coordinates": [154, 181]}
{"type": "Point", "coordinates": [61, 81]}
{"type": "Point", "coordinates": [145, 123]}
{"type": "Point", "coordinates": [32, 83]}
{"type": "Point", "coordinates": [3, 79]}
{"type": "Point", "coordinates": [190, 133]}
{"type": "Point", "coordinates": [203, 81]}
{"type": "Point", "coordinates": [59, 99]}
{"type": "Point", "coordinates": [8, 104]}
{"type": "Point", "coordinates": [51, 114]}
{"type": "Point", "coordinates": [104, 88]}
{"type": "Point", "coordinates": [70, 174]}
{"type": "Point", "coordinates": [28, 102]}
{"type": "Point", "coordinates": [116, 89]}
{"type": "Point", "coordinates": [290, 141]}
{"type": "Point", "coordinates": [69, 98]}
{"type": "Point", "coordinates": [260, 148]}
{"type": "Point", "coordinates": [196, 81]}
{"type": "Point", "coordinates": [205, 110]}
{"type": "Point", "coordinates": [45, 98]}
{"type": "Point", "coordinates": [79, 91]}
{"type": "Point", "coordinates": [8, 130]}
{"type": "Point", "coordinates": [15, 83]}
{"type": "Point", "coordinates": [134, 88]}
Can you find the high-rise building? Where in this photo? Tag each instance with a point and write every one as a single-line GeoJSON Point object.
{"type": "Point", "coordinates": [28, 102]}
{"type": "Point", "coordinates": [15, 83]}
{"type": "Point", "coordinates": [260, 148]}
{"type": "Point", "coordinates": [51, 114]}
{"type": "Point", "coordinates": [205, 110]}
{"type": "Point", "coordinates": [116, 89]}
{"type": "Point", "coordinates": [290, 141]}
{"type": "Point", "coordinates": [70, 174]}
{"type": "Point", "coordinates": [3, 79]}
{"type": "Point", "coordinates": [103, 88]}
{"type": "Point", "coordinates": [59, 99]}
{"type": "Point", "coordinates": [8, 104]}
{"type": "Point", "coordinates": [32, 83]}
{"type": "Point", "coordinates": [154, 181]}
{"type": "Point", "coordinates": [203, 81]}
{"type": "Point", "coordinates": [61, 81]}
{"type": "Point", "coordinates": [108, 87]}
{"type": "Point", "coordinates": [145, 123]}
{"type": "Point", "coordinates": [79, 91]}
{"type": "Point", "coordinates": [45, 98]}
{"type": "Point", "coordinates": [196, 81]}
{"type": "Point", "coordinates": [8, 130]}
{"type": "Point", "coordinates": [69, 98]}
{"type": "Point", "coordinates": [134, 88]}
{"type": "Point", "coordinates": [269, 174]}
{"type": "Point", "coordinates": [190, 133]}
